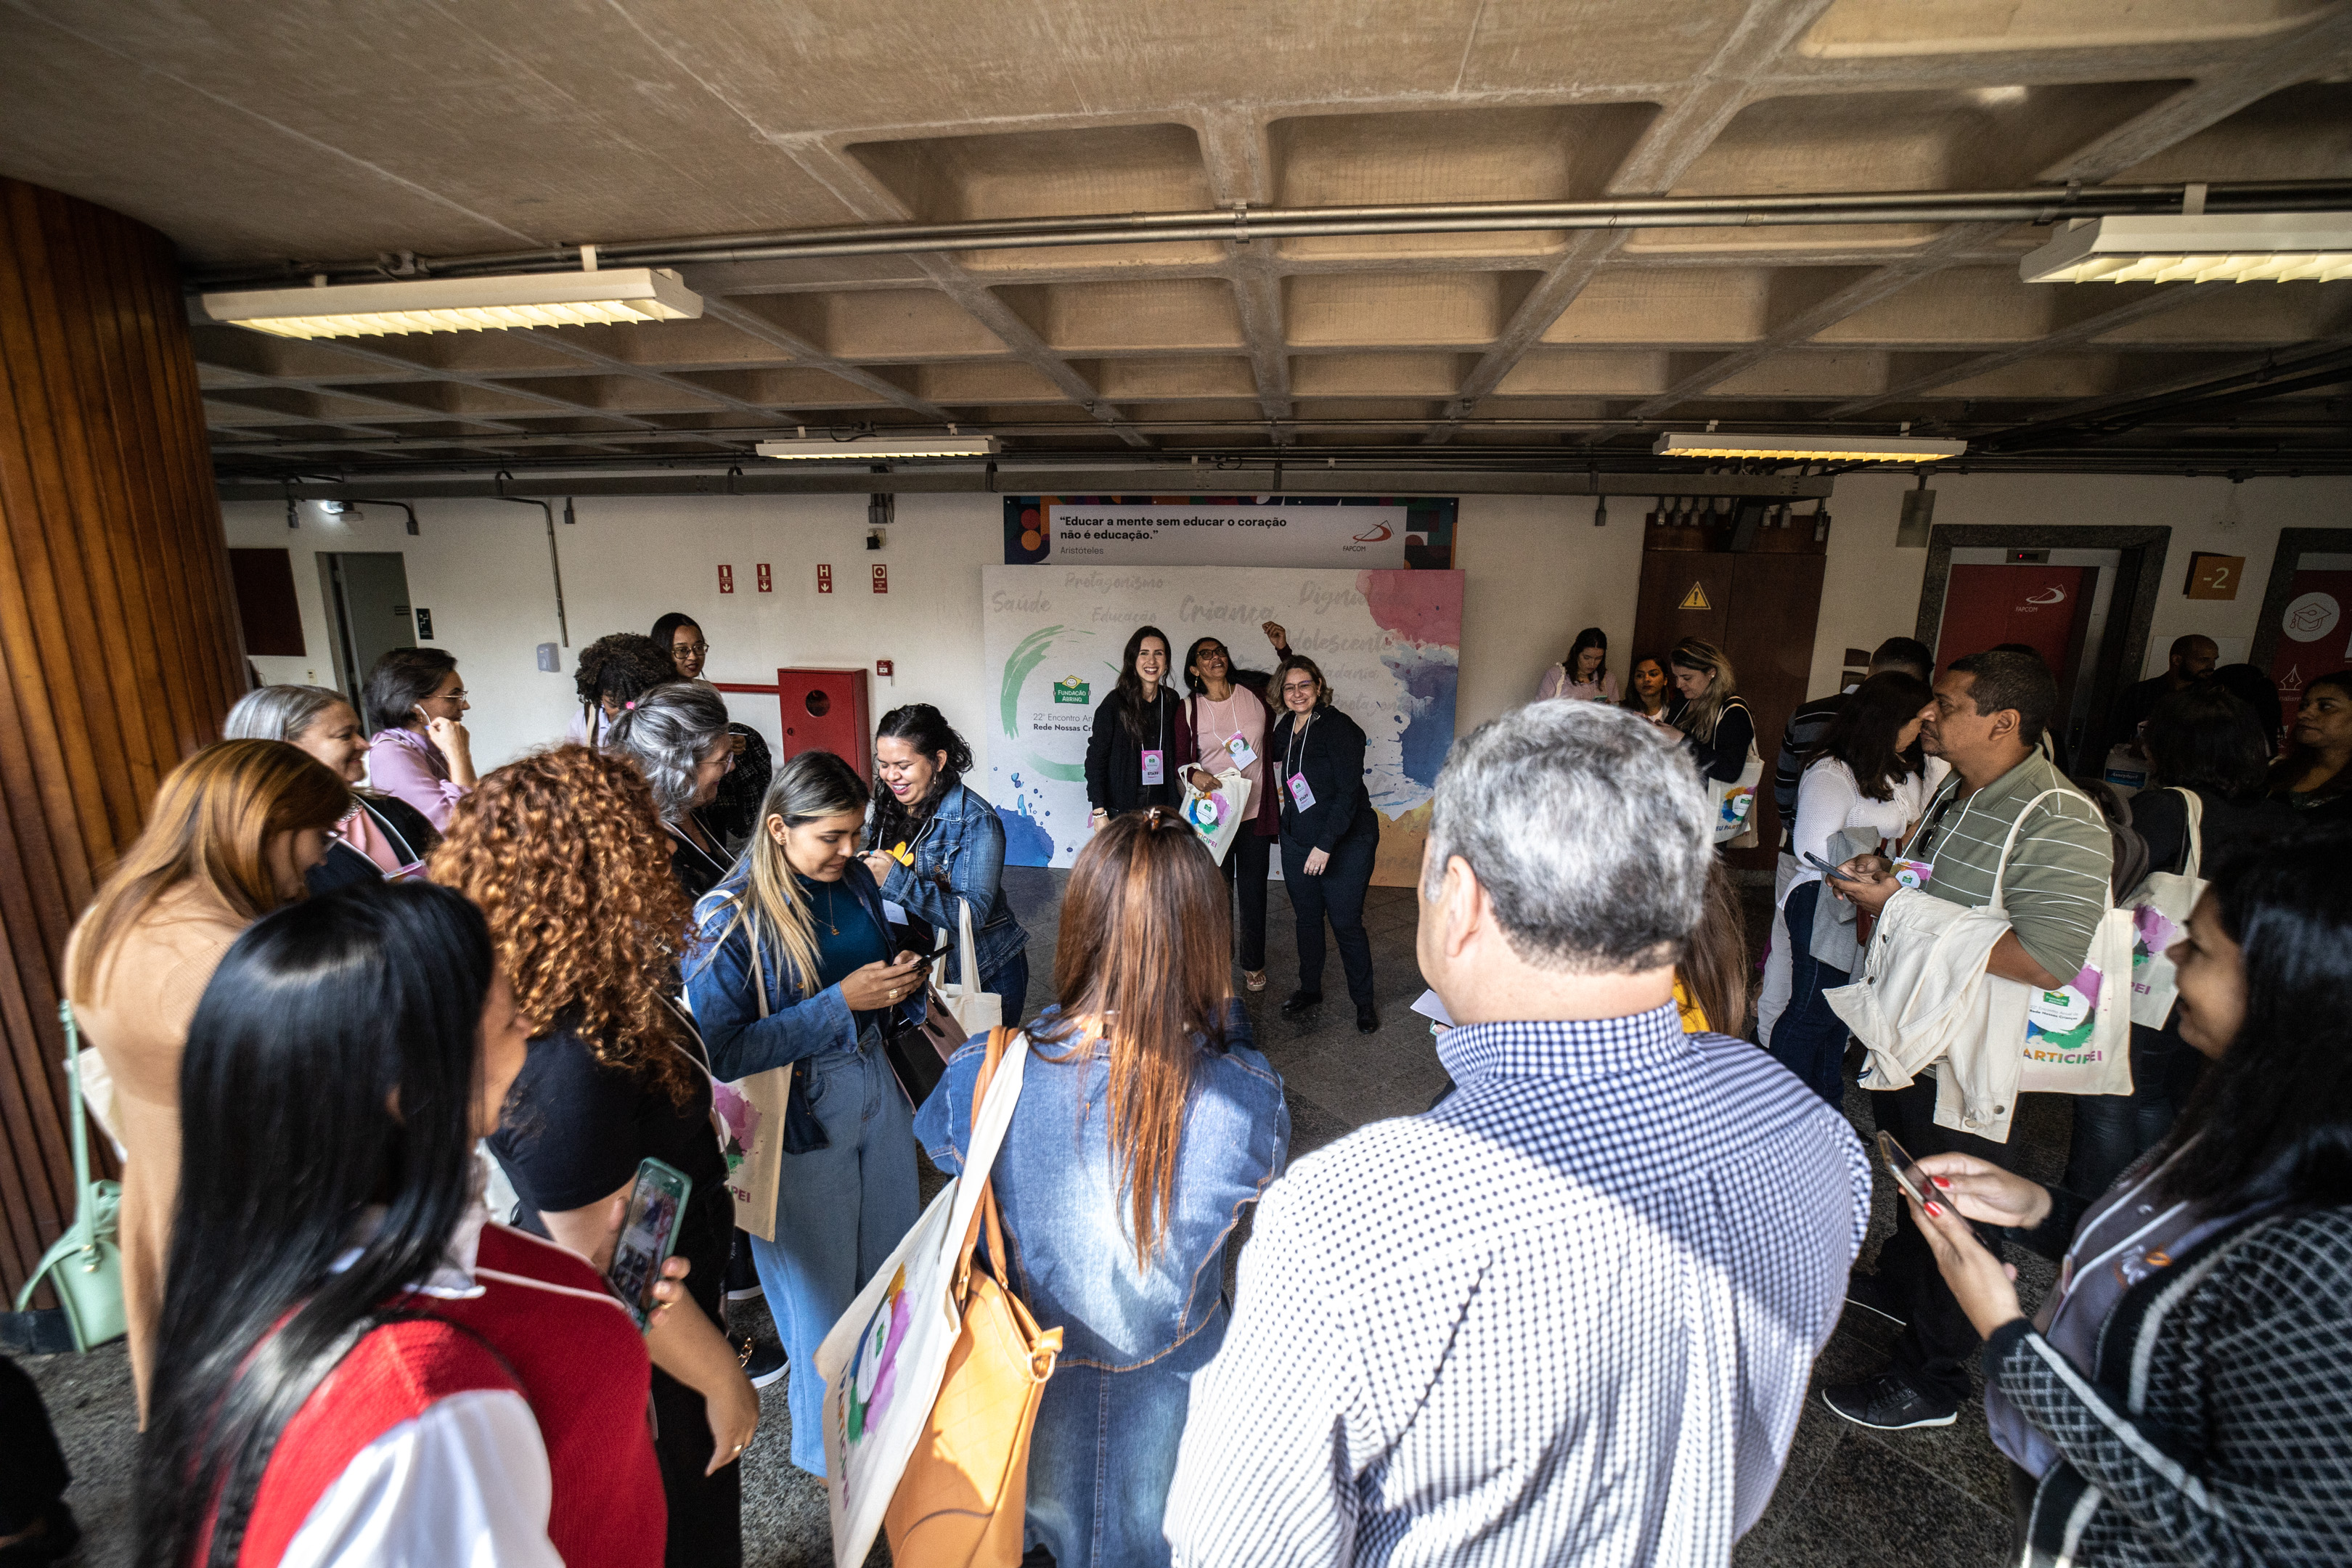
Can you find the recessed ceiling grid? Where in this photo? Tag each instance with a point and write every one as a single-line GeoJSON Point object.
{"type": "Point", "coordinates": [508, 126]}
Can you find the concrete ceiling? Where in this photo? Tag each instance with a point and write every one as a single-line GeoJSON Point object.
{"type": "Point", "coordinates": [263, 132]}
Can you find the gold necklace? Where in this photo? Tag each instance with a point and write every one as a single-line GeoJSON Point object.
{"type": "Point", "coordinates": [828, 916]}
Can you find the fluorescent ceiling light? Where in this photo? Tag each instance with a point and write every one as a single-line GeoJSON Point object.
{"type": "Point", "coordinates": [1808, 448]}
{"type": "Point", "coordinates": [2234, 248]}
{"type": "Point", "coordinates": [461, 304]}
{"type": "Point", "coordinates": [868, 448]}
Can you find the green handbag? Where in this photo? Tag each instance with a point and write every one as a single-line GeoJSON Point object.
{"type": "Point", "coordinates": [86, 1264]}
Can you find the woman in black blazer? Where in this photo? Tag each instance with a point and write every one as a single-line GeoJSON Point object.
{"type": "Point", "coordinates": [1330, 836]}
{"type": "Point", "coordinates": [1141, 750]}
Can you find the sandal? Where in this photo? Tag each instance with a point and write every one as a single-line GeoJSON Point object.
{"type": "Point", "coordinates": [1254, 979]}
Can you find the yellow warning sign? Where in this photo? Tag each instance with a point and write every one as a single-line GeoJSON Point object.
{"type": "Point", "coordinates": [1695, 599]}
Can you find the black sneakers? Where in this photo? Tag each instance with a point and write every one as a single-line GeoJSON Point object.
{"type": "Point", "coordinates": [1367, 1020]}
{"type": "Point", "coordinates": [762, 1361]}
{"type": "Point", "coordinates": [1887, 1404]}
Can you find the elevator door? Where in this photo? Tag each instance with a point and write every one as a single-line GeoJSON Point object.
{"type": "Point", "coordinates": [2059, 606]}
{"type": "Point", "coordinates": [367, 611]}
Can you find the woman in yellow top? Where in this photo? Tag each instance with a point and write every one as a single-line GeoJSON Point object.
{"type": "Point", "coordinates": [1711, 982]}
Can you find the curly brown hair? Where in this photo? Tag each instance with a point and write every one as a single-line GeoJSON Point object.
{"type": "Point", "coordinates": [567, 858]}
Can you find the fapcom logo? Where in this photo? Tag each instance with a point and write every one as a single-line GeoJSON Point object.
{"type": "Point", "coordinates": [1070, 689]}
{"type": "Point", "coordinates": [1375, 534]}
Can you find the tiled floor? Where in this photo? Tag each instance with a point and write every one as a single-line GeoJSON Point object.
{"type": "Point", "coordinates": [1932, 1499]}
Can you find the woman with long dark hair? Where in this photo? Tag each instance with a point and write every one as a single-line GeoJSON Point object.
{"type": "Point", "coordinates": [381, 835]}
{"type": "Point", "coordinates": [354, 1367]}
{"type": "Point", "coordinates": [677, 735]}
{"type": "Point", "coordinates": [1649, 692]}
{"type": "Point", "coordinates": [791, 967]}
{"type": "Point", "coordinates": [1584, 673]}
{"type": "Point", "coordinates": [1146, 1124]}
{"type": "Point", "coordinates": [234, 832]}
{"type": "Point", "coordinates": [419, 748]}
{"type": "Point", "coordinates": [1230, 715]}
{"type": "Point", "coordinates": [1867, 778]}
{"type": "Point", "coordinates": [1330, 834]}
{"type": "Point", "coordinates": [565, 854]}
{"type": "Point", "coordinates": [934, 844]}
{"type": "Point", "coordinates": [680, 640]}
{"type": "Point", "coordinates": [2206, 747]}
{"type": "Point", "coordinates": [613, 673]}
{"type": "Point", "coordinates": [2181, 1394]}
{"type": "Point", "coordinates": [1141, 748]}
{"type": "Point", "coordinates": [2315, 775]}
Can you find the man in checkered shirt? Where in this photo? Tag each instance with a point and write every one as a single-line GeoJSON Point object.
{"type": "Point", "coordinates": [1568, 1316]}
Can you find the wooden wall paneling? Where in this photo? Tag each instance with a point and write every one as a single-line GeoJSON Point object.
{"type": "Point", "coordinates": [118, 623]}
{"type": "Point", "coordinates": [1777, 600]}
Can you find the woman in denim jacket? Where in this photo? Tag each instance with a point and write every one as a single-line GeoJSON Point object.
{"type": "Point", "coordinates": [935, 844]}
{"type": "Point", "coordinates": [822, 961]}
{"type": "Point", "coordinates": [1127, 1162]}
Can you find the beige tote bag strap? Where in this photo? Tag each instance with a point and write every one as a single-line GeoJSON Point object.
{"type": "Point", "coordinates": [2000, 872]}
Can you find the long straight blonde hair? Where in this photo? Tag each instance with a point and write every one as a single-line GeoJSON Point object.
{"type": "Point", "coordinates": [811, 786]}
{"type": "Point", "coordinates": [1707, 708]}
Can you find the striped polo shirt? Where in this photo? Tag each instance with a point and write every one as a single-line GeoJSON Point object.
{"type": "Point", "coordinates": [2057, 884]}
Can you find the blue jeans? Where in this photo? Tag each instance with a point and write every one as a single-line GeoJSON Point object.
{"type": "Point", "coordinates": [841, 1210]}
{"type": "Point", "coordinates": [1809, 1039]}
{"type": "Point", "coordinates": [1010, 984]}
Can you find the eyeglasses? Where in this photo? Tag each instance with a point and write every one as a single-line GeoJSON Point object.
{"type": "Point", "coordinates": [457, 696]}
{"type": "Point", "coordinates": [696, 648]}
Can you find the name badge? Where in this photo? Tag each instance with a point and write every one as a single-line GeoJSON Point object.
{"type": "Point", "coordinates": [1155, 767]}
{"type": "Point", "coordinates": [1300, 795]}
{"type": "Point", "coordinates": [1914, 873]}
{"type": "Point", "coordinates": [1241, 752]}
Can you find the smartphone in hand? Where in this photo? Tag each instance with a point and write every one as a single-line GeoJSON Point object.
{"type": "Point", "coordinates": [1903, 1169]}
{"type": "Point", "coordinates": [1826, 869]}
{"type": "Point", "coordinates": [648, 1235]}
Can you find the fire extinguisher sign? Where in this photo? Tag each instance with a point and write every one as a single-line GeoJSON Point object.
{"type": "Point", "coordinates": [881, 578]}
{"type": "Point", "coordinates": [726, 579]}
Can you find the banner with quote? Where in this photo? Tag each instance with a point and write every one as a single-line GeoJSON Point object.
{"type": "Point", "coordinates": [1356, 532]}
{"type": "Point", "coordinates": [1389, 641]}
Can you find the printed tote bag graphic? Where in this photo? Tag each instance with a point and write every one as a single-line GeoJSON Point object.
{"type": "Point", "coordinates": [2078, 1037]}
{"type": "Point", "coordinates": [1220, 815]}
{"type": "Point", "coordinates": [2159, 907]}
{"type": "Point", "coordinates": [883, 1361]}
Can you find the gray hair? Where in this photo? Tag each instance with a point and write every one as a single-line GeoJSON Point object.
{"type": "Point", "coordinates": [667, 732]}
{"type": "Point", "coordinates": [1589, 829]}
{"type": "Point", "coordinates": [280, 713]}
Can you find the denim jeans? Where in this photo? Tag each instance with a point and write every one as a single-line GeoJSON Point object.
{"type": "Point", "coordinates": [1009, 983]}
{"type": "Point", "coordinates": [1808, 1039]}
{"type": "Point", "coordinates": [841, 1210]}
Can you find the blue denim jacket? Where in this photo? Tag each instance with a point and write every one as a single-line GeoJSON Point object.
{"type": "Point", "coordinates": [965, 836]}
{"type": "Point", "coordinates": [719, 987]}
{"type": "Point", "coordinates": [1058, 1188]}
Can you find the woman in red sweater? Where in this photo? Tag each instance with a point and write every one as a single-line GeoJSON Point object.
{"type": "Point", "coordinates": [353, 1366]}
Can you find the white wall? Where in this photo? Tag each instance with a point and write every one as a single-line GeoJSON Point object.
{"type": "Point", "coordinates": [1535, 572]}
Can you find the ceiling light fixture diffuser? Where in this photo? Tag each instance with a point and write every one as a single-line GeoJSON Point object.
{"type": "Point", "coordinates": [2234, 248]}
{"type": "Point", "coordinates": [462, 304]}
{"type": "Point", "coordinates": [1808, 448]}
{"type": "Point", "coordinates": [874, 448]}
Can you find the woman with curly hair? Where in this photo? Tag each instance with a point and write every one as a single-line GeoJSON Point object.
{"type": "Point", "coordinates": [613, 673]}
{"type": "Point", "coordinates": [565, 854]}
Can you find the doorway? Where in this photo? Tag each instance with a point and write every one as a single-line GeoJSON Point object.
{"type": "Point", "coordinates": [2303, 633]}
{"type": "Point", "coordinates": [367, 611]}
{"type": "Point", "coordinates": [2083, 599]}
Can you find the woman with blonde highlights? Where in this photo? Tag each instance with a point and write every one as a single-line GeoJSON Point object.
{"type": "Point", "coordinates": [564, 853]}
{"type": "Point", "coordinates": [233, 832]}
{"type": "Point", "coordinates": [793, 968]}
{"type": "Point", "coordinates": [1146, 1124]}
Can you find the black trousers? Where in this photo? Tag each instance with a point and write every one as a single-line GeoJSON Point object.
{"type": "Point", "coordinates": [706, 1512]}
{"type": "Point", "coordinates": [1244, 869]}
{"type": "Point", "coordinates": [1337, 893]}
{"type": "Point", "coordinates": [1940, 1343]}
{"type": "Point", "coordinates": [32, 1470]}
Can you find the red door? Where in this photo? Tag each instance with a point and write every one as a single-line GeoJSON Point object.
{"type": "Point", "coordinates": [2313, 636]}
{"type": "Point", "coordinates": [2044, 607]}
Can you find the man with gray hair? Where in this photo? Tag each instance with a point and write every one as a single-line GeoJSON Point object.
{"type": "Point", "coordinates": [1567, 1315]}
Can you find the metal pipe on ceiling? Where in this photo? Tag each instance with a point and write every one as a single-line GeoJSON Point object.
{"type": "Point", "coordinates": [2034, 204]}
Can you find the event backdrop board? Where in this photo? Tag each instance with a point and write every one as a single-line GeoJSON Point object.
{"type": "Point", "coordinates": [1390, 642]}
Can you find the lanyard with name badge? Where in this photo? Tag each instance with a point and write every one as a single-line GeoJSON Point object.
{"type": "Point", "coordinates": [1155, 760]}
{"type": "Point", "coordinates": [1300, 794]}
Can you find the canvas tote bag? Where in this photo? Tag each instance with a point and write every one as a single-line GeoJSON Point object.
{"type": "Point", "coordinates": [964, 1494]}
{"type": "Point", "coordinates": [2159, 907]}
{"type": "Point", "coordinates": [953, 1013]}
{"type": "Point", "coordinates": [883, 1361]}
{"type": "Point", "coordinates": [751, 1113]}
{"type": "Point", "coordinates": [2078, 1037]}
{"type": "Point", "coordinates": [1218, 816]}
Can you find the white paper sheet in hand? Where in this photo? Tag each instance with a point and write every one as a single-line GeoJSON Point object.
{"type": "Point", "coordinates": [1428, 1007]}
